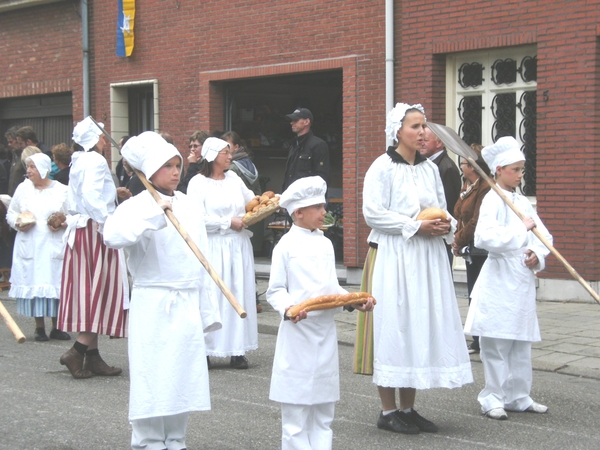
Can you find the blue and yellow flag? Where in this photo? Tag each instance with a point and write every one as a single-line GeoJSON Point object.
{"type": "Point", "coordinates": [125, 23]}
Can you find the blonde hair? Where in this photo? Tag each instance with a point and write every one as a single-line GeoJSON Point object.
{"type": "Point", "coordinates": [27, 152]}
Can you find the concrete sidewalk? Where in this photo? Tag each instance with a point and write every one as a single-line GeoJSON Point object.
{"type": "Point", "coordinates": [570, 333]}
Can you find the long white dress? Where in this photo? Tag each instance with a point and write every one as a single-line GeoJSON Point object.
{"type": "Point", "coordinates": [231, 255]}
{"type": "Point", "coordinates": [305, 366]}
{"type": "Point", "coordinates": [503, 298]}
{"type": "Point", "coordinates": [418, 339]}
{"type": "Point", "coordinates": [170, 306]}
{"type": "Point", "coordinates": [38, 252]}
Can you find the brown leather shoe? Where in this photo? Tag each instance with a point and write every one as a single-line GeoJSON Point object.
{"type": "Point", "coordinates": [97, 366]}
{"type": "Point", "coordinates": [74, 362]}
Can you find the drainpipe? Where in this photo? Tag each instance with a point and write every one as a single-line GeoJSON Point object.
{"type": "Point", "coordinates": [389, 58]}
{"type": "Point", "coordinates": [86, 58]}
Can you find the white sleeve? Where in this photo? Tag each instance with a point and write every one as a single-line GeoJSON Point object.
{"type": "Point", "coordinates": [92, 187]}
{"type": "Point", "coordinates": [277, 293]}
{"type": "Point", "coordinates": [132, 220]}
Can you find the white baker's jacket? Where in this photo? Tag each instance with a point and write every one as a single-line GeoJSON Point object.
{"type": "Point", "coordinates": [305, 366]}
{"type": "Point", "coordinates": [503, 298]}
{"type": "Point", "coordinates": [170, 305]}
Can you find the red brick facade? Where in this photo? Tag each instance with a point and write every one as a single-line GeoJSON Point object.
{"type": "Point", "coordinates": [192, 47]}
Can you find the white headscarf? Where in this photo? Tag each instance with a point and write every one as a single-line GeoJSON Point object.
{"type": "Point", "coordinates": [87, 134]}
{"type": "Point", "coordinates": [148, 152]}
{"type": "Point", "coordinates": [504, 152]}
{"type": "Point", "coordinates": [303, 192]}
{"type": "Point", "coordinates": [396, 116]}
{"type": "Point", "coordinates": [211, 148]}
{"type": "Point", "coordinates": [42, 163]}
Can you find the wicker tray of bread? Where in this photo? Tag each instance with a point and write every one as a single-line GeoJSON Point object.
{"type": "Point", "coordinates": [261, 208]}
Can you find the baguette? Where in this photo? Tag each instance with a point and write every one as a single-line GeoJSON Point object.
{"type": "Point", "coordinates": [328, 302]}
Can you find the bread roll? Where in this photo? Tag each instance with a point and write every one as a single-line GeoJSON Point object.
{"type": "Point", "coordinates": [269, 194]}
{"type": "Point", "coordinates": [25, 218]}
{"type": "Point", "coordinates": [253, 203]}
{"type": "Point", "coordinates": [328, 302]}
{"type": "Point", "coordinates": [432, 214]}
{"type": "Point", "coordinates": [55, 220]}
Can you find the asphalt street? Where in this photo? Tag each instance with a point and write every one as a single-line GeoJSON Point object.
{"type": "Point", "coordinates": [43, 407]}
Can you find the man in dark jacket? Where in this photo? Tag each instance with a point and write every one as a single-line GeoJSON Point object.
{"type": "Point", "coordinates": [308, 155]}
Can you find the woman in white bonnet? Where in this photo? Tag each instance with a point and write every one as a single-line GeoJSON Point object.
{"type": "Point", "coordinates": [38, 250]}
{"type": "Point", "coordinates": [223, 197]}
{"type": "Point", "coordinates": [418, 341]}
{"type": "Point", "coordinates": [92, 292]}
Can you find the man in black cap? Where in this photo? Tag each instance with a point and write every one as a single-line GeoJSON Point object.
{"type": "Point", "coordinates": [308, 155]}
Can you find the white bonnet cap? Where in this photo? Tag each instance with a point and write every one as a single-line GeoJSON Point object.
{"type": "Point", "coordinates": [396, 116]}
{"type": "Point", "coordinates": [211, 148]}
{"type": "Point", "coordinates": [303, 192]}
{"type": "Point", "coordinates": [505, 151]}
{"type": "Point", "coordinates": [86, 133]}
{"type": "Point", "coordinates": [148, 152]}
{"type": "Point", "coordinates": [42, 163]}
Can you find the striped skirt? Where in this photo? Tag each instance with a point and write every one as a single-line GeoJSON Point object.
{"type": "Point", "coordinates": [37, 307]}
{"type": "Point", "coordinates": [363, 344]}
{"type": "Point", "coordinates": [91, 297]}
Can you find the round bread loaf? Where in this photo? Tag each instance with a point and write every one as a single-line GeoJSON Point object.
{"type": "Point", "coordinates": [55, 220]}
{"type": "Point", "coordinates": [25, 218]}
{"type": "Point", "coordinates": [432, 214]}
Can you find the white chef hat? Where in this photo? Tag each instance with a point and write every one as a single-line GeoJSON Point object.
{"type": "Point", "coordinates": [87, 134]}
{"type": "Point", "coordinates": [148, 152]}
{"type": "Point", "coordinates": [505, 151]}
{"type": "Point", "coordinates": [396, 116]}
{"type": "Point", "coordinates": [211, 148]}
{"type": "Point", "coordinates": [303, 192]}
{"type": "Point", "coordinates": [42, 163]}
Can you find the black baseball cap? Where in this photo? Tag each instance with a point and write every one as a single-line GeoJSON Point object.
{"type": "Point", "coordinates": [300, 113]}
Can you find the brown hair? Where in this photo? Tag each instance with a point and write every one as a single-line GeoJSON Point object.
{"type": "Point", "coordinates": [480, 161]}
{"type": "Point", "coordinates": [62, 153]}
{"type": "Point", "coordinates": [199, 136]}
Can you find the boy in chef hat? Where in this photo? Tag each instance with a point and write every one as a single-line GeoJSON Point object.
{"type": "Point", "coordinates": [171, 306]}
{"type": "Point", "coordinates": [502, 310]}
{"type": "Point", "coordinates": [305, 377]}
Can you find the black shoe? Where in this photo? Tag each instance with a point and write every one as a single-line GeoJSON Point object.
{"type": "Point", "coordinates": [59, 335]}
{"type": "Point", "coordinates": [422, 423]}
{"type": "Point", "coordinates": [473, 348]}
{"type": "Point", "coordinates": [208, 363]}
{"type": "Point", "coordinates": [398, 422]}
{"type": "Point", "coordinates": [238, 362]}
{"type": "Point", "coordinates": [40, 335]}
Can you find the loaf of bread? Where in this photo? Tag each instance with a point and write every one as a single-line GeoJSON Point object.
{"type": "Point", "coordinates": [259, 208]}
{"type": "Point", "coordinates": [25, 218]}
{"type": "Point", "coordinates": [328, 302]}
{"type": "Point", "coordinates": [432, 214]}
{"type": "Point", "coordinates": [55, 220]}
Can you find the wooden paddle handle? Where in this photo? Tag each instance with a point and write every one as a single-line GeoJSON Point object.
{"type": "Point", "coordinates": [539, 235]}
{"type": "Point", "coordinates": [11, 324]}
{"type": "Point", "coordinates": [186, 237]}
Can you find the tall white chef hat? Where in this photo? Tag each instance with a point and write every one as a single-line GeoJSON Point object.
{"type": "Point", "coordinates": [148, 152]}
{"type": "Point", "coordinates": [503, 152]}
{"type": "Point", "coordinates": [396, 116]}
{"type": "Point", "coordinates": [211, 148]}
{"type": "Point", "coordinates": [42, 163]}
{"type": "Point", "coordinates": [303, 192]}
{"type": "Point", "coordinates": [87, 134]}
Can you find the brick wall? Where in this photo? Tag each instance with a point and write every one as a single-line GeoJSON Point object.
{"type": "Point", "coordinates": [40, 50]}
{"type": "Point", "coordinates": [566, 34]}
